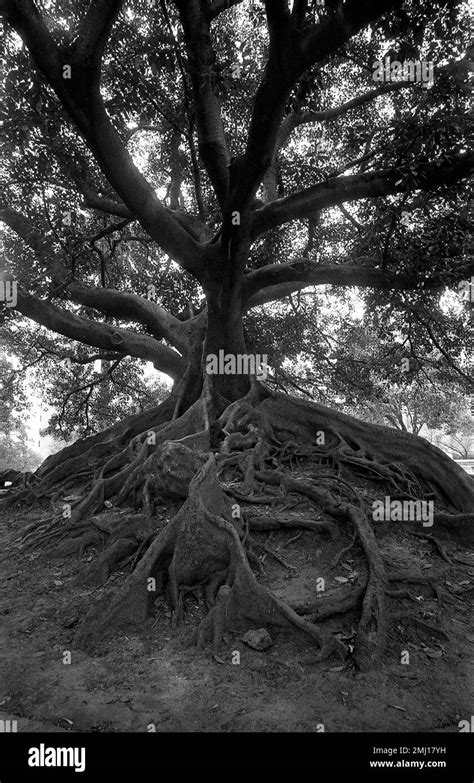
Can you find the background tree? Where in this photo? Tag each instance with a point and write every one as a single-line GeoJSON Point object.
{"type": "Point", "coordinates": [174, 167]}
{"type": "Point", "coordinates": [15, 449]}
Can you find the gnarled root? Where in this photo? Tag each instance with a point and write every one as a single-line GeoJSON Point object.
{"type": "Point", "coordinates": [205, 546]}
{"type": "Point", "coordinates": [201, 541]}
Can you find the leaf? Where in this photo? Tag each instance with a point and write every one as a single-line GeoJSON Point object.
{"type": "Point", "coordinates": [340, 579]}
{"type": "Point", "coordinates": [218, 659]}
{"type": "Point", "coordinates": [434, 653]}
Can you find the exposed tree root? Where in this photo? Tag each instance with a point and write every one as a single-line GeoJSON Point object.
{"type": "Point", "coordinates": [200, 541]}
{"type": "Point", "coordinates": [437, 544]}
{"type": "Point", "coordinates": [343, 601]}
{"type": "Point", "coordinates": [411, 619]}
{"type": "Point", "coordinates": [281, 521]}
{"type": "Point", "coordinates": [209, 457]}
{"type": "Point", "coordinates": [418, 579]}
{"type": "Point", "coordinates": [344, 551]}
{"type": "Point", "coordinates": [371, 633]}
{"type": "Point", "coordinates": [265, 548]}
{"type": "Point", "coordinates": [401, 455]}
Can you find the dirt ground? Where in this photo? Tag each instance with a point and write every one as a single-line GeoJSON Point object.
{"type": "Point", "coordinates": [150, 678]}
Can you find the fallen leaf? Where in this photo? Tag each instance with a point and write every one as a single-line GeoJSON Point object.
{"type": "Point", "coordinates": [340, 579]}
{"type": "Point", "coordinates": [433, 653]}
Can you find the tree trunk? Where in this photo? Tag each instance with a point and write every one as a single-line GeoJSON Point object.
{"type": "Point", "coordinates": [225, 328]}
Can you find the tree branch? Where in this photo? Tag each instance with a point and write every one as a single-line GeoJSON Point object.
{"type": "Point", "coordinates": [93, 201]}
{"type": "Point", "coordinates": [291, 52]}
{"type": "Point", "coordinates": [80, 96]}
{"type": "Point", "coordinates": [277, 280]}
{"type": "Point", "coordinates": [195, 227]}
{"type": "Point", "coordinates": [111, 356]}
{"type": "Point", "coordinates": [216, 7]}
{"type": "Point", "coordinates": [425, 176]}
{"type": "Point", "coordinates": [440, 348]}
{"type": "Point", "coordinates": [297, 118]}
{"type": "Point", "coordinates": [122, 305]}
{"type": "Point", "coordinates": [23, 227]}
{"type": "Point", "coordinates": [210, 130]}
{"type": "Point", "coordinates": [94, 30]}
{"type": "Point", "coordinates": [127, 306]}
{"type": "Point", "coordinates": [100, 335]}
{"type": "Point", "coordinates": [335, 30]}
{"type": "Point", "coordinates": [350, 217]}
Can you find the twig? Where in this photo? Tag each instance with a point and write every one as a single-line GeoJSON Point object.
{"type": "Point", "coordinates": [295, 538]}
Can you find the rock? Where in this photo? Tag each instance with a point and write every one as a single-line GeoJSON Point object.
{"type": "Point", "coordinates": [258, 639]}
{"type": "Point", "coordinates": [173, 469]}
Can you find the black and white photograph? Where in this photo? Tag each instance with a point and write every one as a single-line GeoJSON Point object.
{"type": "Point", "coordinates": [236, 388]}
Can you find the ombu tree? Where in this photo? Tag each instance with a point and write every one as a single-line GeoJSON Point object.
{"type": "Point", "coordinates": [241, 152]}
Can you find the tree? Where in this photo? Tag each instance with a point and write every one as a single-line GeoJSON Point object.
{"type": "Point", "coordinates": [15, 452]}
{"type": "Point", "coordinates": [457, 433]}
{"type": "Point", "coordinates": [239, 200]}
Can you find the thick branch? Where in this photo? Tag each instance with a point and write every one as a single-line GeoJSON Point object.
{"type": "Point", "coordinates": [216, 7]}
{"type": "Point", "coordinates": [122, 305]}
{"type": "Point", "coordinates": [277, 280]}
{"type": "Point", "coordinates": [357, 186]}
{"type": "Point", "coordinates": [211, 139]}
{"type": "Point", "coordinates": [95, 29]}
{"type": "Point", "coordinates": [335, 30]}
{"type": "Point", "coordinates": [281, 71]}
{"type": "Point", "coordinates": [100, 335]}
{"type": "Point", "coordinates": [93, 201]}
{"type": "Point", "coordinates": [126, 306]}
{"type": "Point", "coordinates": [24, 228]}
{"type": "Point", "coordinates": [290, 54]}
{"type": "Point", "coordinates": [195, 227]}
